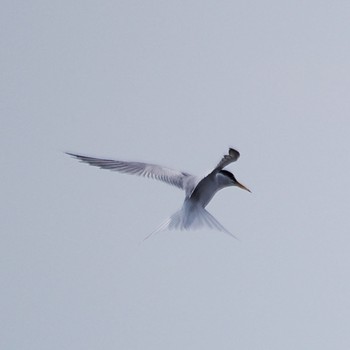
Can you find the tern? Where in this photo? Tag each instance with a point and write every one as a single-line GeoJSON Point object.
{"type": "Point", "coordinates": [198, 191]}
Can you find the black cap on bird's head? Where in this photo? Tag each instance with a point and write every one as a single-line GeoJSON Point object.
{"type": "Point", "coordinates": [234, 180]}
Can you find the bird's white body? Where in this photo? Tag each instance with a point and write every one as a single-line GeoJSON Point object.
{"type": "Point", "coordinates": [206, 188]}
{"type": "Point", "coordinates": [198, 193]}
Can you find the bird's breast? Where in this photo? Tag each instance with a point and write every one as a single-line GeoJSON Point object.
{"type": "Point", "coordinates": [205, 191]}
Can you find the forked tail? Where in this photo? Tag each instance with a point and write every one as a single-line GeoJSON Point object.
{"type": "Point", "coordinates": [191, 218]}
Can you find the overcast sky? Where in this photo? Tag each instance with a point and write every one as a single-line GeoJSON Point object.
{"type": "Point", "coordinates": [174, 83]}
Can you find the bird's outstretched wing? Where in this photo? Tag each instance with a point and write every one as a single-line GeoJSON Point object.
{"type": "Point", "coordinates": [172, 177]}
{"type": "Point", "coordinates": [227, 159]}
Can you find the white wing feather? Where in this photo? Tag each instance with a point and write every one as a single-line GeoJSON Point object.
{"type": "Point", "coordinates": [173, 177]}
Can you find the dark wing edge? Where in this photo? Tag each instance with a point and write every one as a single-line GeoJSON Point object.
{"type": "Point", "coordinates": [227, 159]}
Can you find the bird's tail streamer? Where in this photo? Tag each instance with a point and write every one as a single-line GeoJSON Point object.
{"type": "Point", "coordinates": [195, 219]}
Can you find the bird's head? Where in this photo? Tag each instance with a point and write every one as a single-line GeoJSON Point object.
{"type": "Point", "coordinates": [228, 179]}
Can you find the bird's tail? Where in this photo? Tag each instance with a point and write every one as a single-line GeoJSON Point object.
{"type": "Point", "coordinates": [193, 218]}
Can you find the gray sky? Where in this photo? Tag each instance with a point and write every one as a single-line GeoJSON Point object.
{"type": "Point", "coordinates": [174, 83]}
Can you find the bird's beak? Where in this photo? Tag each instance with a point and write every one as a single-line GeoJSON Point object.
{"type": "Point", "coordinates": [243, 187]}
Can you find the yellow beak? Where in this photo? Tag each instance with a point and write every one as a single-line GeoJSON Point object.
{"type": "Point", "coordinates": [243, 187]}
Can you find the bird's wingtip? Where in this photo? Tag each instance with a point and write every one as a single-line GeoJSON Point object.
{"type": "Point", "coordinates": [233, 152]}
{"type": "Point", "coordinates": [71, 154]}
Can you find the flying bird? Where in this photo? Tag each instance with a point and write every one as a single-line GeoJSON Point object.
{"type": "Point", "coordinates": [198, 191]}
